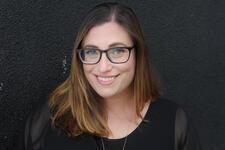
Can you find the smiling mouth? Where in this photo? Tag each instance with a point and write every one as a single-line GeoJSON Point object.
{"type": "Point", "coordinates": [106, 80]}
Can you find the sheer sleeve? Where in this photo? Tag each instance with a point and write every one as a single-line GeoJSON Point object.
{"type": "Point", "coordinates": [34, 130]}
{"type": "Point", "coordinates": [185, 136]}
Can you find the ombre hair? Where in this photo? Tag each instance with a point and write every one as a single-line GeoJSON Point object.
{"type": "Point", "coordinates": [75, 107]}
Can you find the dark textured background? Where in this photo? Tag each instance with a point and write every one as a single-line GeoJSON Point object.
{"type": "Point", "coordinates": [185, 40]}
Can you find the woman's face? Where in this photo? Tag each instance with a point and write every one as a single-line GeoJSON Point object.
{"type": "Point", "coordinates": [106, 78]}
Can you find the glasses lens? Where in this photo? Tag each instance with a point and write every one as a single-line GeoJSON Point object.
{"type": "Point", "coordinates": [89, 55]}
{"type": "Point", "coordinates": [118, 54]}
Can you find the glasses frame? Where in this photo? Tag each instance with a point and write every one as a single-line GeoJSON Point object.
{"type": "Point", "coordinates": [105, 51]}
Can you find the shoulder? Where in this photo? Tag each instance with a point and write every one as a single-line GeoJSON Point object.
{"type": "Point", "coordinates": [36, 125]}
{"type": "Point", "coordinates": [40, 116]}
{"type": "Point", "coordinates": [164, 105]}
{"type": "Point", "coordinates": [168, 106]}
{"type": "Point", "coordinates": [162, 112]}
{"type": "Point", "coordinates": [169, 112]}
{"type": "Point", "coordinates": [174, 116]}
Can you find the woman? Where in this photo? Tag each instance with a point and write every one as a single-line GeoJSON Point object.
{"type": "Point", "coordinates": [110, 101]}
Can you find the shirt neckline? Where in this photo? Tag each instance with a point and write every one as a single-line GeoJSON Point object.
{"type": "Point", "coordinates": [145, 119]}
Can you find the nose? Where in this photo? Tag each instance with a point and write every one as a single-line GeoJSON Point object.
{"type": "Point", "coordinates": [104, 65]}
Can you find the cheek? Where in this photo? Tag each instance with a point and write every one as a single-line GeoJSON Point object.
{"type": "Point", "coordinates": [129, 69]}
{"type": "Point", "coordinates": [132, 67]}
{"type": "Point", "coordinates": [131, 64]}
{"type": "Point", "coordinates": [87, 70]}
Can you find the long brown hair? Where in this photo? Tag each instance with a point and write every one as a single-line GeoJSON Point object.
{"type": "Point", "coordinates": [75, 106]}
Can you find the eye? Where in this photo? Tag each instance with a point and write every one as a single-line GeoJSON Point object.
{"type": "Point", "coordinates": [118, 51]}
{"type": "Point", "coordinates": [91, 52]}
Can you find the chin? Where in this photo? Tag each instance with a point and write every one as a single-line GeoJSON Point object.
{"type": "Point", "coordinates": [105, 95]}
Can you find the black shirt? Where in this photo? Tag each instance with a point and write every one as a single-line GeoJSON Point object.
{"type": "Point", "coordinates": [166, 127]}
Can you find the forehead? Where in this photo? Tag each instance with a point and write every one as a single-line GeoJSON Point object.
{"type": "Point", "coordinates": [106, 34]}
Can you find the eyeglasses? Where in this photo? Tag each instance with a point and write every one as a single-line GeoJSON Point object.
{"type": "Point", "coordinates": [116, 55]}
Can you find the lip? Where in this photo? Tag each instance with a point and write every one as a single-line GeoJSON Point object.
{"type": "Point", "coordinates": [106, 80]}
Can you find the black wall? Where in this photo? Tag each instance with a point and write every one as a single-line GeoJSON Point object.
{"type": "Point", "coordinates": [186, 45]}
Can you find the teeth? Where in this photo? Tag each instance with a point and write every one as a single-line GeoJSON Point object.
{"type": "Point", "coordinates": [106, 78]}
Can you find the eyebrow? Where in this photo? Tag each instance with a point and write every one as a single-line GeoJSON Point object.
{"type": "Point", "coordinates": [111, 45]}
{"type": "Point", "coordinates": [117, 44]}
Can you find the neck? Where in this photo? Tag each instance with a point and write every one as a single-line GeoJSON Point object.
{"type": "Point", "coordinates": [120, 107]}
{"type": "Point", "coordinates": [119, 103]}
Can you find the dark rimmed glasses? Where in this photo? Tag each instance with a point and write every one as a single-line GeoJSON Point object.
{"type": "Point", "coordinates": [116, 55]}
